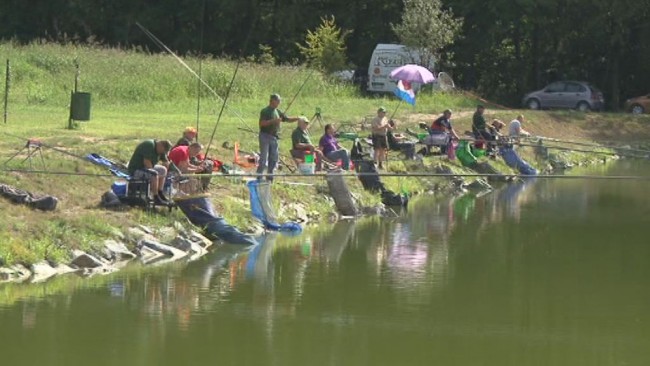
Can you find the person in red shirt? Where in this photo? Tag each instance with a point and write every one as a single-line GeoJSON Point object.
{"type": "Point", "coordinates": [181, 157]}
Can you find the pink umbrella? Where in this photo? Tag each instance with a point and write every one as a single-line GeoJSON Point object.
{"type": "Point", "coordinates": [413, 73]}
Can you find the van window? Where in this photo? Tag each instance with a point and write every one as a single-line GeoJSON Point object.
{"type": "Point", "coordinates": [555, 88]}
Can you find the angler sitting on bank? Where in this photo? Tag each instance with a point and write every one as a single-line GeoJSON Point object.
{"type": "Point", "coordinates": [330, 147]}
{"type": "Point", "coordinates": [302, 145]}
{"type": "Point", "coordinates": [144, 165]}
{"type": "Point", "coordinates": [441, 131]}
{"type": "Point", "coordinates": [189, 134]}
{"type": "Point", "coordinates": [183, 157]}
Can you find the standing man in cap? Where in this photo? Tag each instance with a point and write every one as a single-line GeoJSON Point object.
{"type": "Point", "coordinates": [270, 119]}
{"type": "Point", "coordinates": [144, 165]}
{"type": "Point", "coordinates": [380, 128]}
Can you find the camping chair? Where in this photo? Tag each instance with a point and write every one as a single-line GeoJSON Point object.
{"type": "Point", "coordinates": [135, 192]}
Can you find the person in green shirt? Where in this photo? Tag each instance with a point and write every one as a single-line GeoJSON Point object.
{"type": "Point", "coordinates": [301, 143]}
{"type": "Point", "coordinates": [144, 165]}
{"type": "Point", "coordinates": [270, 119]}
{"type": "Point", "coordinates": [480, 127]}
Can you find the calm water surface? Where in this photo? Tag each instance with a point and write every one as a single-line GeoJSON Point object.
{"type": "Point", "coordinates": [549, 272]}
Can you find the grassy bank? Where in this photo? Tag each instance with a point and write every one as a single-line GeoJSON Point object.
{"type": "Point", "coordinates": [137, 96]}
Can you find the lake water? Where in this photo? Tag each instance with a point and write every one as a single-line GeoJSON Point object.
{"type": "Point", "coordinates": [547, 272]}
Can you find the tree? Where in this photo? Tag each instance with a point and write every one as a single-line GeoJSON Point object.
{"type": "Point", "coordinates": [325, 47]}
{"type": "Point", "coordinates": [427, 28]}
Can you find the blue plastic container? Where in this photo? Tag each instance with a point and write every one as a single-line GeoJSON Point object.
{"type": "Point", "coordinates": [120, 188]}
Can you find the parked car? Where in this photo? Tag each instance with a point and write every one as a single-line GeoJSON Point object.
{"type": "Point", "coordinates": [566, 94]}
{"type": "Point", "coordinates": [638, 105]}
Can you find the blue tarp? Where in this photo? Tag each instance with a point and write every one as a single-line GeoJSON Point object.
{"type": "Point", "coordinates": [515, 161]}
{"type": "Point", "coordinates": [200, 212]}
{"type": "Point", "coordinates": [262, 210]}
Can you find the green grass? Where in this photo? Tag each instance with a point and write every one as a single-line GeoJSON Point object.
{"type": "Point", "coordinates": [137, 96]}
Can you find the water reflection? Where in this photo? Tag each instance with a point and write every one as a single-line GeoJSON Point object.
{"type": "Point", "coordinates": [533, 268]}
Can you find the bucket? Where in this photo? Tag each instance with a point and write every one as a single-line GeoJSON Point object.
{"type": "Point", "coordinates": [422, 135]}
{"type": "Point", "coordinates": [307, 168]}
{"type": "Point", "coordinates": [479, 152]}
{"type": "Point", "coordinates": [120, 188]}
{"type": "Point", "coordinates": [451, 150]}
{"type": "Point", "coordinates": [309, 158]}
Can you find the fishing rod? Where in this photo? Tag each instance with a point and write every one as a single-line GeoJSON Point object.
{"type": "Point", "coordinates": [550, 139]}
{"type": "Point", "coordinates": [354, 175]}
{"type": "Point", "coordinates": [585, 151]}
{"type": "Point", "coordinates": [214, 130]}
{"type": "Point", "coordinates": [160, 44]}
{"type": "Point", "coordinates": [198, 82]}
{"type": "Point", "coordinates": [232, 81]}
{"type": "Point", "coordinates": [299, 90]}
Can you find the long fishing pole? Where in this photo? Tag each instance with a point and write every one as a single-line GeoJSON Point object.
{"type": "Point", "coordinates": [223, 105]}
{"type": "Point", "coordinates": [549, 139]}
{"type": "Point", "coordinates": [396, 108]}
{"type": "Point", "coordinates": [299, 90]}
{"type": "Point", "coordinates": [160, 44]}
{"type": "Point", "coordinates": [234, 75]}
{"type": "Point", "coordinates": [7, 84]}
{"type": "Point", "coordinates": [585, 151]}
{"type": "Point", "coordinates": [198, 81]}
{"type": "Point", "coordinates": [354, 175]}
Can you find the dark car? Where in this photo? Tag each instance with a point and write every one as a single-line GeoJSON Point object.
{"type": "Point", "coordinates": [638, 105]}
{"type": "Point", "coordinates": [566, 94]}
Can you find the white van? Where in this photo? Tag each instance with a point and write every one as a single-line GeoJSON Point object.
{"type": "Point", "coordinates": [385, 58]}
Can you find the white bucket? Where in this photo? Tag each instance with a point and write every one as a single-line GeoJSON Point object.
{"type": "Point", "coordinates": [307, 168]}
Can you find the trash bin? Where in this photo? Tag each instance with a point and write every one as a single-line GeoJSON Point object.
{"type": "Point", "coordinates": [80, 106]}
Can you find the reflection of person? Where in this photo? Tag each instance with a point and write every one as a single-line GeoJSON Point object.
{"type": "Point", "coordinates": [330, 147]}
{"type": "Point", "coordinates": [515, 130]}
{"type": "Point", "coordinates": [270, 119]}
{"type": "Point", "coordinates": [380, 128]}
{"type": "Point", "coordinates": [144, 165]}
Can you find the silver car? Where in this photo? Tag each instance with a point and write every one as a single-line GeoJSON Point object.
{"type": "Point", "coordinates": [566, 94]}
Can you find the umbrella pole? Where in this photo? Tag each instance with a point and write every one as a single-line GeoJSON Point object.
{"type": "Point", "coordinates": [395, 111]}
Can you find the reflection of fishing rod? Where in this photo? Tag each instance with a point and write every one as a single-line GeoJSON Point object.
{"type": "Point", "coordinates": [160, 44]}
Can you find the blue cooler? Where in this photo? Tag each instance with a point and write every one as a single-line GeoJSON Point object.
{"type": "Point", "coordinates": [120, 188]}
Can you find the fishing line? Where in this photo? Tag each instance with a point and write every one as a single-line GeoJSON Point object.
{"type": "Point", "coordinates": [165, 48]}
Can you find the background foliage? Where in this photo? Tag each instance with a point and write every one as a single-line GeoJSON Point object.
{"type": "Point", "coordinates": [508, 47]}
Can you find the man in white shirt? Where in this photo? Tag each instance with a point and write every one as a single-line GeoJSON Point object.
{"type": "Point", "coordinates": [515, 129]}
